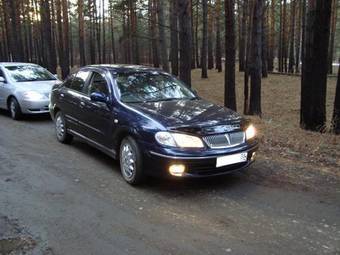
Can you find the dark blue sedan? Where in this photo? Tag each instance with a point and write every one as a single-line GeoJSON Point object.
{"type": "Point", "coordinates": [152, 122]}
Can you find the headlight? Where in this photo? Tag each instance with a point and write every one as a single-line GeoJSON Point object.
{"type": "Point", "coordinates": [250, 132]}
{"type": "Point", "coordinates": [178, 140]}
{"type": "Point", "coordinates": [32, 95]}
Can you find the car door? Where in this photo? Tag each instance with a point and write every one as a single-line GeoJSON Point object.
{"type": "Point", "coordinates": [98, 118]}
{"type": "Point", "coordinates": [71, 96]}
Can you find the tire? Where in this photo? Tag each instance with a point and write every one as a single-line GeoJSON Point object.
{"type": "Point", "coordinates": [14, 109]}
{"type": "Point", "coordinates": [61, 129]}
{"type": "Point", "coordinates": [131, 164]}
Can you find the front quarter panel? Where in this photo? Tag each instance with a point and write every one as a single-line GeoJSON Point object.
{"type": "Point", "coordinates": [134, 123]}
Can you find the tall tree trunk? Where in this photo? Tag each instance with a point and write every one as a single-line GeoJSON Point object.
{"type": "Point", "coordinates": [104, 58]}
{"type": "Point", "coordinates": [315, 66]}
{"type": "Point", "coordinates": [153, 35]}
{"type": "Point", "coordinates": [336, 112]}
{"type": "Point", "coordinates": [162, 38]}
{"type": "Point", "coordinates": [230, 37]}
{"type": "Point", "coordinates": [185, 38]}
{"type": "Point", "coordinates": [92, 34]}
{"type": "Point", "coordinates": [250, 14]}
{"type": "Point", "coordinates": [292, 36]}
{"type": "Point", "coordinates": [256, 60]}
{"type": "Point", "coordinates": [49, 52]}
{"type": "Point", "coordinates": [285, 37]}
{"type": "Point", "coordinates": [271, 48]}
{"type": "Point", "coordinates": [82, 56]}
{"type": "Point", "coordinates": [280, 55]}
{"type": "Point", "coordinates": [63, 47]}
{"type": "Point", "coordinates": [303, 34]}
{"type": "Point", "coordinates": [196, 36]}
{"type": "Point", "coordinates": [66, 67]}
{"type": "Point", "coordinates": [204, 40]}
{"type": "Point", "coordinates": [71, 48]}
{"type": "Point", "coordinates": [332, 38]}
{"type": "Point", "coordinates": [113, 43]}
{"type": "Point", "coordinates": [13, 28]}
{"type": "Point", "coordinates": [174, 37]}
{"type": "Point", "coordinates": [210, 38]}
{"type": "Point", "coordinates": [218, 53]}
{"type": "Point", "coordinates": [193, 48]}
{"type": "Point", "coordinates": [298, 37]}
{"type": "Point", "coordinates": [264, 43]}
{"type": "Point", "coordinates": [98, 31]}
{"type": "Point", "coordinates": [242, 36]}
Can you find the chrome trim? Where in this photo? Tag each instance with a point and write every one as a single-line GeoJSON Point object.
{"type": "Point", "coordinates": [205, 157]}
{"type": "Point", "coordinates": [82, 123]}
{"type": "Point", "coordinates": [227, 136]}
{"type": "Point", "coordinates": [113, 152]}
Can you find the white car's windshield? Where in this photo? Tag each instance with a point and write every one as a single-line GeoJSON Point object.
{"type": "Point", "coordinates": [151, 87]}
{"type": "Point", "coordinates": [25, 73]}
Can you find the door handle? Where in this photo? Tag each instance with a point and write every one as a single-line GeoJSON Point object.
{"type": "Point", "coordinates": [62, 95]}
{"type": "Point", "coordinates": [82, 104]}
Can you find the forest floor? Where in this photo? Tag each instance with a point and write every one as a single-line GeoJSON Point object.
{"type": "Point", "coordinates": [307, 158]}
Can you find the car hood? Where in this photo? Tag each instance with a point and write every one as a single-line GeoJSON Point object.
{"type": "Point", "coordinates": [197, 115]}
{"type": "Point", "coordinates": [38, 86]}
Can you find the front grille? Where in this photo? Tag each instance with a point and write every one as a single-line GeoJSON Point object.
{"type": "Point", "coordinates": [224, 140]}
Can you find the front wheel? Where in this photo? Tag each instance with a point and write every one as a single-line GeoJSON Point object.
{"type": "Point", "coordinates": [15, 109]}
{"type": "Point", "coordinates": [60, 128]}
{"type": "Point", "coordinates": [131, 164]}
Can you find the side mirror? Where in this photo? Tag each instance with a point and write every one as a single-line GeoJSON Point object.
{"type": "Point", "coordinates": [98, 97]}
{"type": "Point", "coordinates": [2, 79]}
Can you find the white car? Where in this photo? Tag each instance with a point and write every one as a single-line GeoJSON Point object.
{"type": "Point", "coordinates": [25, 88]}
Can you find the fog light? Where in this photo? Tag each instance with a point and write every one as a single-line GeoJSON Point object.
{"type": "Point", "coordinates": [253, 156]}
{"type": "Point", "coordinates": [177, 170]}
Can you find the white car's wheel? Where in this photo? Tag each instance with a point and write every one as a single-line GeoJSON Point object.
{"type": "Point", "coordinates": [14, 109]}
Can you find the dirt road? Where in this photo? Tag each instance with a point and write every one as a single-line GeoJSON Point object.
{"type": "Point", "coordinates": [64, 199]}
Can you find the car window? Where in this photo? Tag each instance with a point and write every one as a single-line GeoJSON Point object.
{"type": "Point", "coordinates": [151, 86]}
{"type": "Point", "coordinates": [26, 73]}
{"type": "Point", "coordinates": [98, 84]}
{"type": "Point", "coordinates": [79, 81]}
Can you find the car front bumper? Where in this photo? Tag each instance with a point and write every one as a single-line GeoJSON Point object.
{"type": "Point", "coordinates": [197, 166]}
{"type": "Point", "coordinates": [34, 107]}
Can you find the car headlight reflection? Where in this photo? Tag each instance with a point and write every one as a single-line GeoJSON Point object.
{"type": "Point", "coordinates": [179, 140]}
{"type": "Point", "coordinates": [250, 132]}
{"type": "Point", "coordinates": [33, 96]}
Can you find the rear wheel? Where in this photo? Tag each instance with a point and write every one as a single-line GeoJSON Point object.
{"type": "Point", "coordinates": [61, 129]}
{"type": "Point", "coordinates": [131, 164]}
{"type": "Point", "coordinates": [14, 109]}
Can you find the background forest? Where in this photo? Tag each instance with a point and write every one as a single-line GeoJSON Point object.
{"type": "Point", "coordinates": [256, 37]}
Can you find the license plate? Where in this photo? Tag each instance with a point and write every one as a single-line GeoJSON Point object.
{"type": "Point", "coordinates": [231, 159]}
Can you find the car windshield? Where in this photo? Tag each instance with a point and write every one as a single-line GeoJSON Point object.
{"type": "Point", "coordinates": [25, 73]}
{"type": "Point", "coordinates": [151, 87]}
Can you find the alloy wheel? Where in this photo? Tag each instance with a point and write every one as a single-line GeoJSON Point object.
{"type": "Point", "coordinates": [60, 127]}
{"type": "Point", "coordinates": [128, 161]}
{"type": "Point", "coordinates": [13, 108]}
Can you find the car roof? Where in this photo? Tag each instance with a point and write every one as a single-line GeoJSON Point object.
{"type": "Point", "coordinates": [16, 64]}
{"type": "Point", "coordinates": [125, 68]}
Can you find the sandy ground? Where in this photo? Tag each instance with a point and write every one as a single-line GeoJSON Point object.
{"type": "Point", "coordinates": [282, 140]}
